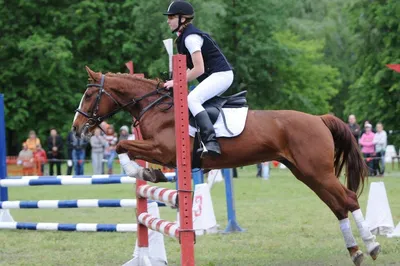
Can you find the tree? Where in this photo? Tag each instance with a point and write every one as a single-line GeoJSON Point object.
{"type": "Point", "coordinates": [308, 84]}
{"type": "Point", "coordinates": [376, 92]}
{"type": "Point", "coordinates": [45, 46]}
{"type": "Point", "coordinates": [327, 20]}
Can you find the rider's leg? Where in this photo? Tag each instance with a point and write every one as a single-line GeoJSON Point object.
{"type": "Point", "coordinates": [207, 134]}
{"type": "Point", "coordinates": [215, 84]}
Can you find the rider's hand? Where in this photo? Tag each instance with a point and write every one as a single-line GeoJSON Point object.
{"type": "Point", "coordinates": [169, 84]}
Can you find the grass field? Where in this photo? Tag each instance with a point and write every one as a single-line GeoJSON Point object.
{"type": "Point", "coordinates": [286, 224]}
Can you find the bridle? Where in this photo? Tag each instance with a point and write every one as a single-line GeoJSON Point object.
{"type": "Point", "coordinates": [94, 120]}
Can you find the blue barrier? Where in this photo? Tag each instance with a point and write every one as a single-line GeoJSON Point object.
{"type": "Point", "coordinates": [169, 176]}
{"type": "Point", "coordinates": [81, 227]}
{"type": "Point", "coordinates": [67, 204]}
{"type": "Point", "coordinates": [3, 152]}
{"type": "Point", "coordinates": [233, 225]}
{"type": "Point", "coordinates": [197, 176]}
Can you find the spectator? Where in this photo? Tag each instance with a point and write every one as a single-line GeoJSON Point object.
{"type": "Point", "coordinates": [54, 151]}
{"type": "Point", "coordinates": [234, 173]}
{"type": "Point", "coordinates": [259, 168]}
{"type": "Point", "coordinates": [368, 147]}
{"type": "Point", "coordinates": [25, 157]}
{"type": "Point", "coordinates": [354, 127]}
{"type": "Point", "coordinates": [123, 133]}
{"type": "Point", "coordinates": [132, 136]}
{"type": "Point", "coordinates": [110, 153]}
{"type": "Point", "coordinates": [98, 144]}
{"type": "Point", "coordinates": [104, 126]}
{"type": "Point", "coordinates": [40, 156]}
{"type": "Point", "coordinates": [78, 154]}
{"type": "Point", "coordinates": [265, 170]}
{"type": "Point", "coordinates": [70, 147]}
{"type": "Point", "coordinates": [366, 123]}
{"type": "Point", "coordinates": [32, 141]}
{"type": "Point", "coordinates": [380, 141]}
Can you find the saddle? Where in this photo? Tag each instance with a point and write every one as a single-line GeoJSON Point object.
{"type": "Point", "coordinates": [214, 106]}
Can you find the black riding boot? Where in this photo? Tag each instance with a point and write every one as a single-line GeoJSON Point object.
{"type": "Point", "coordinates": [207, 135]}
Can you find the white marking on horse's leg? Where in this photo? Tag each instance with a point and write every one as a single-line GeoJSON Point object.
{"type": "Point", "coordinates": [131, 167]}
{"type": "Point", "coordinates": [347, 233]}
{"type": "Point", "coordinates": [80, 105]}
{"type": "Point", "coordinates": [366, 235]}
{"type": "Point", "coordinates": [357, 257]}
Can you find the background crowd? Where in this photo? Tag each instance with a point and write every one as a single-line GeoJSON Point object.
{"type": "Point", "coordinates": [373, 143]}
{"type": "Point", "coordinates": [102, 149]}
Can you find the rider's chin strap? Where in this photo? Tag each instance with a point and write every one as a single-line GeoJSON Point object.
{"type": "Point", "coordinates": [179, 24]}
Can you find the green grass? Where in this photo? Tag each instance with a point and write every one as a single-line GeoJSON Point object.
{"type": "Point", "coordinates": [286, 224]}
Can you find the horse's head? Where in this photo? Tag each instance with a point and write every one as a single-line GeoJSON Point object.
{"type": "Point", "coordinates": [97, 104]}
{"type": "Point", "coordinates": [106, 95]}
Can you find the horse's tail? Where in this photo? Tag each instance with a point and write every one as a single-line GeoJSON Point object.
{"type": "Point", "coordinates": [347, 152]}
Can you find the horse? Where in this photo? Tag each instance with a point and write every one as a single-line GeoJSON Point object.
{"type": "Point", "coordinates": [314, 148]}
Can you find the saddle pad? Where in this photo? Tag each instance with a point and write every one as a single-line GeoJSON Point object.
{"type": "Point", "coordinates": [235, 120]}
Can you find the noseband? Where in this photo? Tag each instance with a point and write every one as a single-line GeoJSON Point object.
{"type": "Point", "coordinates": [94, 120]}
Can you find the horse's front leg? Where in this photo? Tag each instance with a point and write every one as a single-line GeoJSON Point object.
{"type": "Point", "coordinates": [143, 149]}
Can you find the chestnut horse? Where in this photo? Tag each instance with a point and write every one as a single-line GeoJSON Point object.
{"type": "Point", "coordinates": [314, 148]}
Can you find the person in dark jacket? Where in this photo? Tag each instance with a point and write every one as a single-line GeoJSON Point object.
{"type": "Point", "coordinates": [70, 140]}
{"type": "Point", "coordinates": [54, 151]}
{"type": "Point", "coordinates": [206, 63]}
{"type": "Point", "coordinates": [78, 154]}
{"type": "Point", "coordinates": [354, 127]}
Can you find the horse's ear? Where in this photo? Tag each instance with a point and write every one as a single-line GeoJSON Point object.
{"type": "Point", "coordinates": [93, 75]}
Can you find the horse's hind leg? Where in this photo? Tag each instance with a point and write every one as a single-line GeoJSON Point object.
{"type": "Point", "coordinates": [373, 247]}
{"type": "Point", "coordinates": [330, 190]}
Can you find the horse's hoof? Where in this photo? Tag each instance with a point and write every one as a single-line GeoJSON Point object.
{"type": "Point", "coordinates": [153, 175]}
{"type": "Point", "coordinates": [357, 258]}
{"type": "Point", "coordinates": [375, 252]}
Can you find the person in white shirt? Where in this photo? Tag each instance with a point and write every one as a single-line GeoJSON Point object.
{"type": "Point", "coordinates": [380, 141]}
{"type": "Point", "coordinates": [132, 136]}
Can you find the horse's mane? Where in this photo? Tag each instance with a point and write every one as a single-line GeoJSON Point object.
{"type": "Point", "coordinates": [127, 76]}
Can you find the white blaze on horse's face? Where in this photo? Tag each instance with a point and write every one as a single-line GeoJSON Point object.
{"type": "Point", "coordinates": [80, 106]}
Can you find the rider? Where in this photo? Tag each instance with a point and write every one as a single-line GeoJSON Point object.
{"type": "Point", "coordinates": [206, 63]}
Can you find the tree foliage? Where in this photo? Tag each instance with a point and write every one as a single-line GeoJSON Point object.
{"type": "Point", "coordinates": [312, 56]}
{"type": "Point", "coordinates": [375, 94]}
{"type": "Point", "coordinates": [307, 82]}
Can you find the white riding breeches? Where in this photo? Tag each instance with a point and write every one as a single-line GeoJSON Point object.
{"type": "Point", "coordinates": [216, 84]}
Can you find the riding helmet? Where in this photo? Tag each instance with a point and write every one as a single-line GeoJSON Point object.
{"type": "Point", "coordinates": [180, 8]}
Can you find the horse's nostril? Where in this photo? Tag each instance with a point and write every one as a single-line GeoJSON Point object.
{"type": "Point", "coordinates": [73, 128]}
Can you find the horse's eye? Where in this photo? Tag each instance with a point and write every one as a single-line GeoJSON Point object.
{"type": "Point", "coordinates": [87, 96]}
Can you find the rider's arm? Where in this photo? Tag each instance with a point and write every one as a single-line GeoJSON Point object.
{"type": "Point", "coordinates": [193, 43]}
{"type": "Point", "coordinates": [198, 66]}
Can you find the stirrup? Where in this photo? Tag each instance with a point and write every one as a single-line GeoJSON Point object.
{"type": "Point", "coordinates": [205, 152]}
{"type": "Point", "coordinates": [202, 150]}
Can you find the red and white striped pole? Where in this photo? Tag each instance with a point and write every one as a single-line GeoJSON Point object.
{"type": "Point", "coordinates": [185, 232]}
